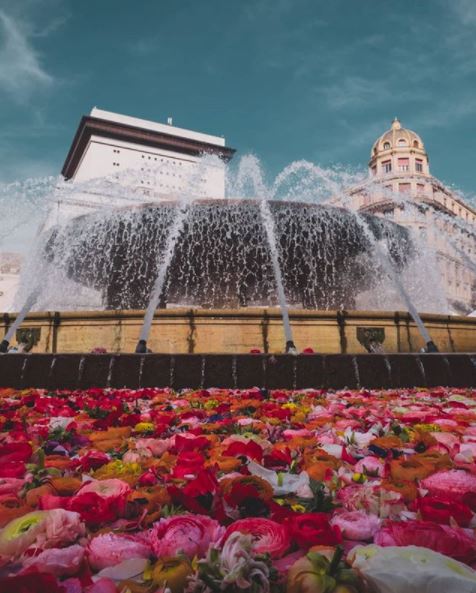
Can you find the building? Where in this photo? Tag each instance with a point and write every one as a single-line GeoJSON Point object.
{"type": "Point", "coordinates": [10, 266]}
{"type": "Point", "coordinates": [117, 160]}
{"type": "Point", "coordinates": [401, 187]}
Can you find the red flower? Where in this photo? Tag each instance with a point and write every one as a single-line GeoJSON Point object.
{"type": "Point", "coordinates": [183, 443]}
{"type": "Point", "coordinates": [312, 529]}
{"type": "Point", "coordinates": [188, 463]}
{"type": "Point", "coordinates": [453, 542]}
{"type": "Point", "coordinates": [439, 510]}
{"type": "Point", "coordinates": [269, 537]}
{"type": "Point", "coordinates": [12, 469]}
{"type": "Point", "coordinates": [34, 582]}
{"type": "Point", "coordinates": [94, 509]}
{"type": "Point", "coordinates": [198, 494]}
{"type": "Point", "coordinates": [240, 449]}
{"type": "Point", "coordinates": [93, 460]}
{"type": "Point", "coordinates": [15, 452]}
{"type": "Point", "coordinates": [278, 459]}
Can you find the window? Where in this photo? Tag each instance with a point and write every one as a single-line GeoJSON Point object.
{"type": "Point", "coordinates": [386, 145]}
{"type": "Point", "coordinates": [419, 166]}
{"type": "Point", "coordinates": [387, 166]}
{"type": "Point", "coordinates": [404, 187]}
{"type": "Point", "coordinates": [415, 144]}
{"type": "Point", "coordinates": [403, 164]}
{"type": "Point", "coordinates": [402, 142]}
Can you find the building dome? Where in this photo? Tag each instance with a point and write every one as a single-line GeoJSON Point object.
{"type": "Point", "coordinates": [397, 137]}
{"type": "Point", "coordinates": [400, 151]}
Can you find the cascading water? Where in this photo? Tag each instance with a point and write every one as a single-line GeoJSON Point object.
{"type": "Point", "coordinates": [250, 167]}
{"type": "Point", "coordinates": [289, 243]}
{"type": "Point", "coordinates": [166, 257]}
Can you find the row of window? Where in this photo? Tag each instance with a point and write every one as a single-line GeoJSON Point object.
{"type": "Point", "coordinates": [401, 142]}
{"type": "Point", "coordinates": [403, 165]}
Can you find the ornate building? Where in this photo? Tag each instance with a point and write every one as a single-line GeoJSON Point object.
{"type": "Point", "coordinates": [401, 187]}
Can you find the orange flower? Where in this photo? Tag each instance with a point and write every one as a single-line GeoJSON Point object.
{"type": "Point", "coordinates": [66, 486]}
{"type": "Point", "coordinates": [439, 461]}
{"type": "Point", "coordinates": [312, 456]}
{"type": "Point", "coordinates": [112, 438]}
{"type": "Point", "coordinates": [33, 496]}
{"type": "Point", "coordinates": [11, 508]}
{"type": "Point", "coordinates": [408, 490]}
{"type": "Point", "coordinates": [57, 461]}
{"type": "Point", "coordinates": [410, 470]}
{"type": "Point", "coordinates": [320, 471]}
{"type": "Point", "coordinates": [388, 442]}
{"type": "Point", "coordinates": [225, 464]}
{"type": "Point", "coordinates": [151, 499]}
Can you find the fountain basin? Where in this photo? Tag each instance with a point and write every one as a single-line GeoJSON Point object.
{"type": "Point", "coordinates": [222, 258]}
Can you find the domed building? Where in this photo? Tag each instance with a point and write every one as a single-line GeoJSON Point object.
{"type": "Point", "coordinates": [401, 187]}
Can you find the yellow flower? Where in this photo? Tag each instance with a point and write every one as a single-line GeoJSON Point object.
{"type": "Point", "coordinates": [129, 472]}
{"type": "Point", "coordinates": [289, 406]}
{"type": "Point", "coordinates": [144, 427]}
{"type": "Point", "coordinates": [172, 573]}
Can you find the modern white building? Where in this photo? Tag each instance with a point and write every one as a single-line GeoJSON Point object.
{"type": "Point", "coordinates": [117, 160]}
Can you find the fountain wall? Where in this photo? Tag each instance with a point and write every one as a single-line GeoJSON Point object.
{"type": "Point", "coordinates": [196, 331]}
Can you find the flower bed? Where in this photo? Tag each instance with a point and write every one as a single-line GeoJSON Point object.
{"type": "Point", "coordinates": [108, 491]}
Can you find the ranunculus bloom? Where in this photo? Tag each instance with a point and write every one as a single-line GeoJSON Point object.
{"type": "Point", "coordinates": [113, 494]}
{"type": "Point", "coordinates": [110, 549]}
{"type": "Point", "coordinates": [44, 529]}
{"type": "Point", "coordinates": [58, 561]}
{"type": "Point", "coordinates": [187, 534]}
{"type": "Point", "coordinates": [441, 510]}
{"type": "Point", "coordinates": [268, 536]}
{"type": "Point", "coordinates": [94, 509]}
{"type": "Point", "coordinates": [453, 542]}
{"type": "Point", "coordinates": [356, 525]}
{"type": "Point", "coordinates": [311, 529]}
{"type": "Point", "coordinates": [453, 484]}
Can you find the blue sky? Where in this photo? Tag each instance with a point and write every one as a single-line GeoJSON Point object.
{"type": "Point", "coordinates": [284, 79]}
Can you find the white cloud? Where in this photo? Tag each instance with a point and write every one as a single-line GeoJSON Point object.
{"type": "Point", "coordinates": [465, 11]}
{"type": "Point", "coordinates": [21, 72]}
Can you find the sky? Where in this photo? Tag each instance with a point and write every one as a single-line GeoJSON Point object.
{"type": "Point", "coordinates": [283, 79]}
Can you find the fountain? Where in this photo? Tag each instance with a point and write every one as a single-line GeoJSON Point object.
{"type": "Point", "coordinates": [296, 243]}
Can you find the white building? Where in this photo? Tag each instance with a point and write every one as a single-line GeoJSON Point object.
{"type": "Point", "coordinates": [116, 160]}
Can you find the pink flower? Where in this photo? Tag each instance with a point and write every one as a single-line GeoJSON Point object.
{"type": "Point", "coordinates": [110, 549]}
{"type": "Point", "coordinates": [450, 541]}
{"type": "Point", "coordinates": [454, 483]}
{"type": "Point", "coordinates": [41, 529]}
{"type": "Point", "coordinates": [58, 561]}
{"type": "Point", "coordinates": [356, 525]}
{"type": "Point", "coordinates": [156, 446]}
{"type": "Point", "coordinates": [269, 537]}
{"type": "Point", "coordinates": [10, 485]}
{"type": "Point", "coordinates": [188, 534]}
{"type": "Point", "coordinates": [371, 466]}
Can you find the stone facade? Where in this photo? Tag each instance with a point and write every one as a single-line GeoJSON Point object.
{"type": "Point", "coordinates": [401, 188]}
{"type": "Point", "coordinates": [237, 331]}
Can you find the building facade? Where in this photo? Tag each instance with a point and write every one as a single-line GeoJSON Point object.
{"type": "Point", "coordinates": [401, 187]}
{"type": "Point", "coordinates": [116, 161]}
